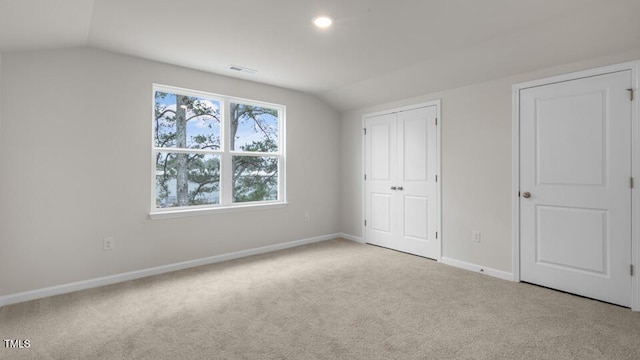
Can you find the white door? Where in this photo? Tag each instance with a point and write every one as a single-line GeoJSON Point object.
{"type": "Point", "coordinates": [575, 173]}
{"type": "Point", "coordinates": [401, 201]}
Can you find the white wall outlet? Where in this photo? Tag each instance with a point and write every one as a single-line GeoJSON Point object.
{"type": "Point", "coordinates": [475, 236]}
{"type": "Point", "coordinates": [306, 217]}
{"type": "Point", "coordinates": [107, 243]}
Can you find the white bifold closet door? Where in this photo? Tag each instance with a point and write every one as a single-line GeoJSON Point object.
{"type": "Point", "coordinates": [400, 187]}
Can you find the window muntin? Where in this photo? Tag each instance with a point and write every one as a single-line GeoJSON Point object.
{"type": "Point", "coordinates": [207, 157]}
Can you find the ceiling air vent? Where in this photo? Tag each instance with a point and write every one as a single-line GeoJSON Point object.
{"type": "Point", "coordinates": [242, 69]}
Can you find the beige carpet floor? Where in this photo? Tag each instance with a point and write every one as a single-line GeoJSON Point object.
{"type": "Point", "coordinates": [332, 300]}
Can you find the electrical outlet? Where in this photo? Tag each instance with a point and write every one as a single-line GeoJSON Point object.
{"type": "Point", "coordinates": [107, 243]}
{"type": "Point", "coordinates": [306, 217]}
{"type": "Point", "coordinates": [475, 236]}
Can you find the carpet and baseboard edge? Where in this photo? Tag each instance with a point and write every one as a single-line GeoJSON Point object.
{"type": "Point", "coordinates": [478, 268]}
{"type": "Point", "coordinates": [504, 275]}
{"type": "Point", "coordinates": [137, 274]}
{"type": "Point", "coordinates": [132, 275]}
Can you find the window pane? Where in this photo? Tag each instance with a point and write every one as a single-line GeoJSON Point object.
{"type": "Point", "coordinates": [253, 128]}
{"type": "Point", "coordinates": [186, 121]}
{"type": "Point", "coordinates": [187, 179]}
{"type": "Point", "coordinates": [255, 178]}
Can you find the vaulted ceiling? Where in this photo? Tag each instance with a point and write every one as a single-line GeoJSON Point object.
{"type": "Point", "coordinates": [377, 50]}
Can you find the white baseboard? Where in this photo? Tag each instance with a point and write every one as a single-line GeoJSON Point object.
{"type": "Point", "coordinates": [132, 275]}
{"type": "Point", "coordinates": [477, 268]}
{"type": "Point", "coordinates": [352, 238]}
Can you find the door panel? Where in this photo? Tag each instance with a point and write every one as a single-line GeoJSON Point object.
{"type": "Point", "coordinates": [416, 211]}
{"type": "Point", "coordinates": [557, 229]}
{"type": "Point", "coordinates": [381, 212]}
{"type": "Point", "coordinates": [415, 148]}
{"type": "Point", "coordinates": [575, 160]}
{"type": "Point", "coordinates": [583, 162]}
{"type": "Point", "coordinates": [416, 163]}
{"type": "Point", "coordinates": [381, 151]}
{"type": "Point", "coordinates": [380, 167]}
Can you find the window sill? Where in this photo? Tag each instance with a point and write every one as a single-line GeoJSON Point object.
{"type": "Point", "coordinates": [170, 214]}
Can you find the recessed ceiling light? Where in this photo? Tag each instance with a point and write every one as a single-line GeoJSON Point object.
{"type": "Point", "coordinates": [322, 22]}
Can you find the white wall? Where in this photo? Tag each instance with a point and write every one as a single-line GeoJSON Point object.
{"type": "Point", "coordinates": [75, 156]}
{"type": "Point", "coordinates": [476, 164]}
{"type": "Point", "coordinates": [0, 104]}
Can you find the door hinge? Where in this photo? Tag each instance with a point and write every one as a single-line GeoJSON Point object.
{"type": "Point", "coordinates": [436, 234]}
{"type": "Point", "coordinates": [436, 178]}
{"type": "Point", "coordinates": [436, 121]}
{"type": "Point", "coordinates": [365, 131]}
{"type": "Point", "coordinates": [631, 270]}
{"type": "Point", "coordinates": [518, 193]}
{"type": "Point", "coordinates": [630, 90]}
{"type": "Point", "coordinates": [631, 182]}
{"type": "Point", "coordinates": [365, 223]}
{"type": "Point", "coordinates": [365, 177]}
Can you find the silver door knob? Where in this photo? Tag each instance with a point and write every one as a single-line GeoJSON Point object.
{"type": "Point", "coordinates": [393, 188]}
{"type": "Point", "coordinates": [526, 194]}
{"type": "Point", "coordinates": [400, 188]}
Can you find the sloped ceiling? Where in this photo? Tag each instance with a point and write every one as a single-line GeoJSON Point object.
{"type": "Point", "coordinates": [377, 50]}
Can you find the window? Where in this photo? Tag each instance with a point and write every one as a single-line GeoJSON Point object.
{"type": "Point", "coordinates": [215, 152]}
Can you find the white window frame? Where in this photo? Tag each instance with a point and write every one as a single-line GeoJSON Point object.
{"type": "Point", "coordinates": [226, 159]}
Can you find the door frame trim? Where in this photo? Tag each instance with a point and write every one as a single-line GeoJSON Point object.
{"type": "Point", "coordinates": [437, 104]}
{"type": "Point", "coordinates": [634, 67]}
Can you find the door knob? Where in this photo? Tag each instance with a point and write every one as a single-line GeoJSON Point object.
{"type": "Point", "coordinates": [393, 188]}
{"type": "Point", "coordinates": [526, 194]}
{"type": "Point", "coordinates": [400, 188]}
